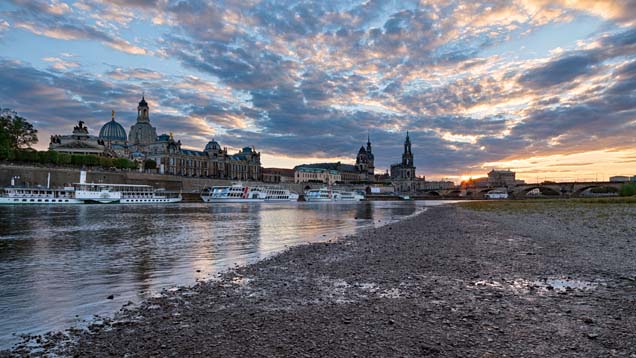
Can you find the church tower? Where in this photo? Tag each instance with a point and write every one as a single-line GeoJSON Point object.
{"type": "Point", "coordinates": [142, 133]}
{"type": "Point", "coordinates": [143, 111]}
{"type": "Point", "coordinates": [407, 156]}
{"type": "Point", "coordinates": [370, 157]}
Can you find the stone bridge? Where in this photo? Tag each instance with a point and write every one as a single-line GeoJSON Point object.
{"type": "Point", "coordinates": [567, 189]}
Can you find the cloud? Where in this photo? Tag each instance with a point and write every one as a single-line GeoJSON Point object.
{"type": "Point", "coordinates": [561, 70]}
{"type": "Point", "coordinates": [308, 79]}
{"type": "Point", "coordinates": [134, 73]}
{"type": "Point", "coordinates": [59, 64]}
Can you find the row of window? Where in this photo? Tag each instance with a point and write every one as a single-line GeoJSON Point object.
{"type": "Point", "coordinates": [41, 200]}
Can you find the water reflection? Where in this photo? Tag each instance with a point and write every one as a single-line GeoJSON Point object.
{"type": "Point", "coordinates": [58, 265]}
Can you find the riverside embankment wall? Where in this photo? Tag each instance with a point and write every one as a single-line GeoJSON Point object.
{"type": "Point", "coordinates": [37, 175]}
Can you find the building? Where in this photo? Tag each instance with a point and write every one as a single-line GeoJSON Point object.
{"type": "Point", "coordinates": [309, 174]}
{"type": "Point", "coordinates": [435, 185]}
{"type": "Point", "coordinates": [365, 161]}
{"type": "Point", "coordinates": [622, 179]}
{"type": "Point", "coordinates": [403, 174]}
{"type": "Point", "coordinates": [362, 172]}
{"type": "Point", "coordinates": [114, 137]}
{"type": "Point", "coordinates": [79, 142]}
{"type": "Point", "coordinates": [212, 162]}
{"type": "Point", "coordinates": [278, 175]}
{"type": "Point", "coordinates": [501, 178]}
{"type": "Point", "coordinates": [142, 133]}
{"type": "Point", "coordinates": [476, 183]}
{"type": "Point", "coordinates": [142, 143]}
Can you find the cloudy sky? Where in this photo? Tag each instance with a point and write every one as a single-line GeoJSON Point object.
{"type": "Point", "coordinates": [547, 88]}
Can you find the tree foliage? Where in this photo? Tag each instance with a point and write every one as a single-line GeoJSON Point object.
{"type": "Point", "coordinates": [628, 190]}
{"type": "Point", "coordinates": [150, 164]}
{"type": "Point", "coordinates": [19, 132]}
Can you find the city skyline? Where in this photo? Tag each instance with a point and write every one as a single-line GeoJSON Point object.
{"type": "Point", "coordinates": [545, 88]}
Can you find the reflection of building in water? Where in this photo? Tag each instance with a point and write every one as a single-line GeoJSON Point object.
{"type": "Point", "coordinates": [234, 232]}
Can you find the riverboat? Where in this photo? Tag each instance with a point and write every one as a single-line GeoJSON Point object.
{"type": "Point", "coordinates": [123, 194]}
{"type": "Point", "coordinates": [81, 193]}
{"type": "Point", "coordinates": [38, 195]}
{"type": "Point", "coordinates": [238, 193]}
{"type": "Point", "coordinates": [328, 194]}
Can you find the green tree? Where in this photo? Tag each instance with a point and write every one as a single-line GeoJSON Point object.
{"type": "Point", "coordinates": [64, 158]}
{"type": "Point", "coordinates": [628, 190]}
{"type": "Point", "coordinates": [5, 148]}
{"type": "Point", "coordinates": [150, 164]}
{"type": "Point", "coordinates": [21, 133]}
{"type": "Point", "coordinates": [105, 162]}
{"type": "Point", "coordinates": [91, 160]}
{"type": "Point", "coordinates": [77, 159]}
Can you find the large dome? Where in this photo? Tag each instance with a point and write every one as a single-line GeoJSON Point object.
{"type": "Point", "coordinates": [113, 131]}
{"type": "Point", "coordinates": [212, 146]}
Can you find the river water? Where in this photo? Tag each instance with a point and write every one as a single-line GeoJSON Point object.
{"type": "Point", "coordinates": [59, 264]}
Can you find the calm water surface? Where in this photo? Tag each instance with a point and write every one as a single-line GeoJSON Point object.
{"type": "Point", "coordinates": [58, 264]}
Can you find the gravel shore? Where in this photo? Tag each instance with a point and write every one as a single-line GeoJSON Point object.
{"type": "Point", "coordinates": [547, 281]}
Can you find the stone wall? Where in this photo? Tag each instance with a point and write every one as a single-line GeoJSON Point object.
{"type": "Point", "coordinates": [37, 175]}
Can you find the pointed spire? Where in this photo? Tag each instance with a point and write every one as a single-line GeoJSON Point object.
{"type": "Point", "coordinates": [113, 115]}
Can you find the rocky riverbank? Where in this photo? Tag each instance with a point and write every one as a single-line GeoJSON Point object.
{"type": "Point", "coordinates": [479, 281]}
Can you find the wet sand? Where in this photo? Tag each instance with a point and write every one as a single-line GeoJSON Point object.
{"type": "Point", "coordinates": [535, 281]}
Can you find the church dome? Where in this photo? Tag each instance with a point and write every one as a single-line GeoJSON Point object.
{"type": "Point", "coordinates": [212, 146]}
{"type": "Point", "coordinates": [112, 131]}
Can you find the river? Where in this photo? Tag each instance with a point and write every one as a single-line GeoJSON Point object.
{"type": "Point", "coordinates": [59, 264]}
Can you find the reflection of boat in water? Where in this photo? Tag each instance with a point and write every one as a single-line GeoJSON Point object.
{"type": "Point", "coordinates": [238, 193]}
{"type": "Point", "coordinates": [328, 194]}
{"type": "Point", "coordinates": [87, 193]}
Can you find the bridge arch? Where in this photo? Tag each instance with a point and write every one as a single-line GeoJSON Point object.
{"type": "Point", "coordinates": [603, 189]}
{"type": "Point", "coordinates": [544, 190]}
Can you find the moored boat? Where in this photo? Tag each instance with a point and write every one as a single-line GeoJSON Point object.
{"type": "Point", "coordinates": [123, 193]}
{"type": "Point", "coordinates": [84, 192]}
{"type": "Point", "coordinates": [327, 194]}
{"type": "Point", "coordinates": [238, 193]}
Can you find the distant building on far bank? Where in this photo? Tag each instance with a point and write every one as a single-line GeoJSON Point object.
{"type": "Point", "coordinates": [435, 185]}
{"type": "Point", "coordinates": [143, 143]}
{"type": "Point", "coordinates": [403, 174]}
{"type": "Point", "coordinates": [622, 179]}
{"type": "Point", "coordinates": [339, 173]}
{"type": "Point", "coordinates": [501, 178]}
{"type": "Point", "coordinates": [79, 142]}
{"type": "Point", "coordinates": [311, 174]}
{"type": "Point", "coordinates": [278, 175]}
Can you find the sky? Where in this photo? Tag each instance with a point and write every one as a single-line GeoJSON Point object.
{"type": "Point", "coordinates": [545, 88]}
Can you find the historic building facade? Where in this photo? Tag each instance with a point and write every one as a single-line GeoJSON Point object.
{"type": "Point", "coordinates": [143, 143]}
{"type": "Point", "coordinates": [403, 174]}
{"type": "Point", "coordinates": [331, 173]}
{"type": "Point", "coordinates": [142, 133]}
{"type": "Point", "coordinates": [79, 142]}
{"type": "Point", "coordinates": [501, 178]}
